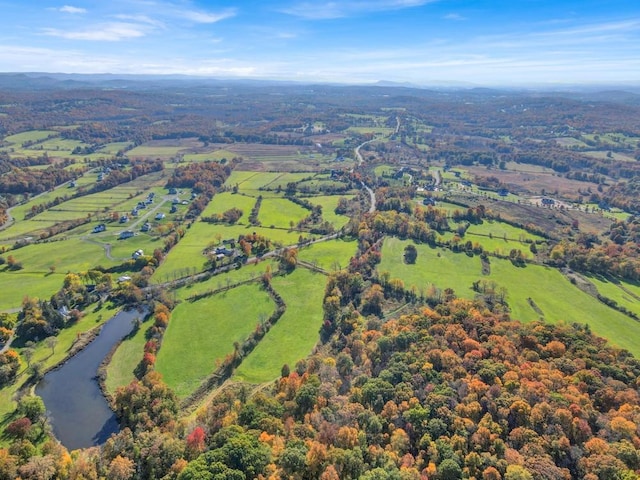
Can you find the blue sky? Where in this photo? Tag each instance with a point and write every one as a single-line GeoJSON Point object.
{"type": "Point", "coordinates": [483, 42]}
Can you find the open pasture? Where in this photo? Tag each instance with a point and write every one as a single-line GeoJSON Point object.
{"type": "Point", "coordinates": [224, 201]}
{"type": "Point", "coordinates": [321, 182]}
{"type": "Point", "coordinates": [329, 204]}
{"type": "Point", "coordinates": [202, 333]}
{"type": "Point", "coordinates": [16, 285]}
{"type": "Point", "coordinates": [570, 142]}
{"type": "Point", "coordinates": [295, 334]}
{"type": "Point", "coordinates": [437, 266]}
{"type": "Point", "coordinates": [252, 183]}
{"type": "Point", "coordinates": [165, 148]}
{"type": "Point", "coordinates": [249, 272]}
{"type": "Point", "coordinates": [280, 212]}
{"type": "Point", "coordinates": [603, 155]}
{"type": "Point", "coordinates": [625, 294]}
{"type": "Point", "coordinates": [58, 145]}
{"type": "Point", "coordinates": [241, 177]}
{"type": "Point", "coordinates": [560, 301]}
{"type": "Point", "coordinates": [331, 255]}
{"type": "Point", "coordinates": [554, 297]}
{"type": "Point", "coordinates": [260, 157]}
{"type": "Point", "coordinates": [375, 130]}
{"type": "Point", "coordinates": [283, 179]}
{"type": "Point", "coordinates": [30, 136]}
{"type": "Point", "coordinates": [113, 148]}
{"type": "Point", "coordinates": [68, 255]}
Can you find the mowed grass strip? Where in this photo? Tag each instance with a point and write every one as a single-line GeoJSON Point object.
{"type": "Point", "coordinates": [202, 333]}
{"type": "Point", "coordinates": [295, 334]}
{"type": "Point", "coordinates": [125, 359]}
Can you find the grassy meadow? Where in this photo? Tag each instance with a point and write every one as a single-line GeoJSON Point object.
{"type": "Point", "coordinates": [552, 294]}
{"type": "Point", "coordinates": [293, 337]}
{"type": "Point", "coordinates": [204, 332]}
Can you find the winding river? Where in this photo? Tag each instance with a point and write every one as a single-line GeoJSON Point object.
{"type": "Point", "coordinates": [78, 412]}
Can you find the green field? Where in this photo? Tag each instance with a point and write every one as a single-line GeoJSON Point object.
{"type": "Point", "coordinates": [248, 272]}
{"type": "Point", "coordinates": [154, 151]}
{"type": "Point", "coordinates": [215, 155]}
{"type": "Point", "coordinates": [202, 333]}
{"type": "Point", "coordinates": [294, 335]}
{"type": "Point", "coordinates": [188, 256]}
{"type": "Point", "coordinates": [252, 181]}
{"type": "Point", "coordinates": [125, 359]}
{"type": "Point", "coordinates": [240, 177]}
{"type": "Point", "coordinates": [438, 266]}
{"type": "Point", "coordinates": [329, 204]}
{"type": "Point", "coordinates": [30, 136]}
{"type": "Point", "coordinates": [280, 212]}
{"type": "Point", "coordinates": [283, 179]}
{"type": "Point", "coordinates": [550, 291]}
{"type": "Point", "coordinates": [559, 301]}
{"type": "Point", "coordinates": [331, 255]}
{"type": "Point", "coordinates": [224, 201]}
{"type": "Point", "coordinates": [626, 294]}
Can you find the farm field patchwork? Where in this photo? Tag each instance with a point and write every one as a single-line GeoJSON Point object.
{"type": "Point", "coordinates": [204, 332]}
{"type": "Point", "coordinates": [293, 337]}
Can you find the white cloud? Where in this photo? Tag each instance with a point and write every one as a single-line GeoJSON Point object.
{"type": "Point", "coordinates": [105, 32]}
{"type": "Point", "coordinates": [140, 19]}
{"type": "Point", "coordinates": [454, 16]}
{"type": "Point", "coordinates": [206, 17]}
{"type": "Point", "coordinates": [330, 10]}
{"type": "Point", "coordinates": [72, 10]}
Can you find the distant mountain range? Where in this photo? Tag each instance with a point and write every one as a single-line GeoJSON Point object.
{"type": "Point", "coordinates": [46, 81]}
